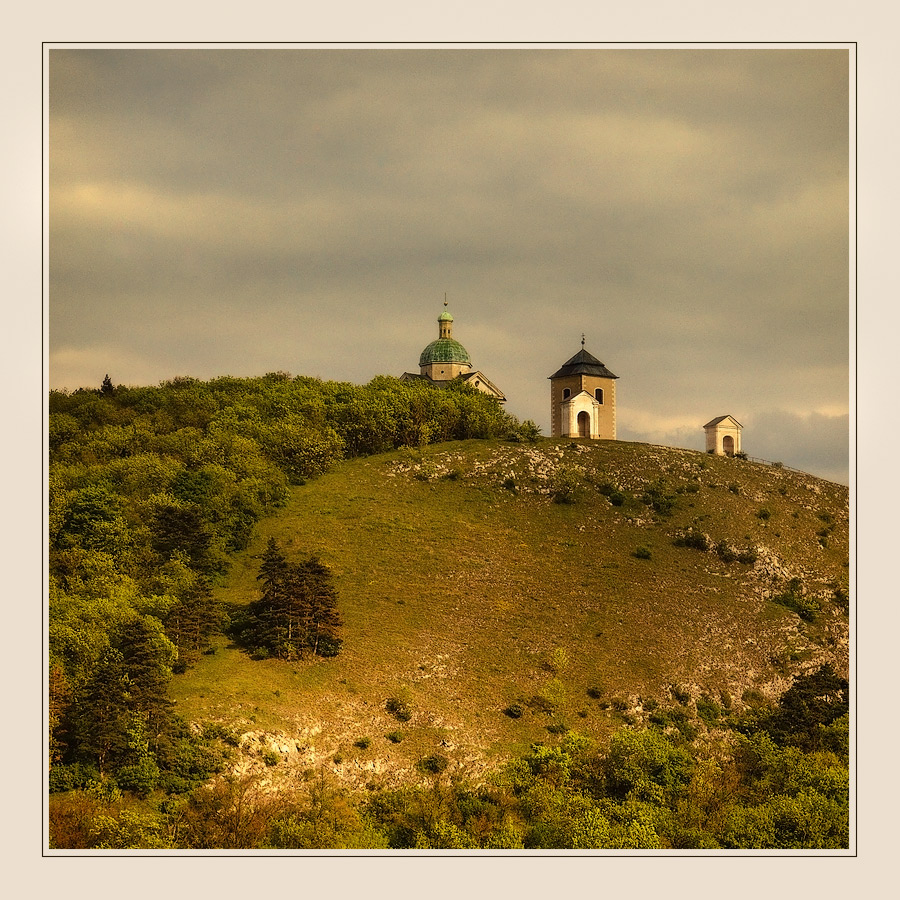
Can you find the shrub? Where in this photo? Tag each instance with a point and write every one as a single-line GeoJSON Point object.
{"type": "Point", "coordinates": [734, 487]}
{"type": "Point", "coordinates": [271, 758]}
{"type": "Point", "coordinates": [795, 599]}
{"type": "Point", "coordinates": [681, 694]}
{"type": "Point", "coordinates": [841, 599]}
{"type": "Point", "coordinates": [514, 711]}
{"type": "Point", "coordinates": [696, 540]}
{"type": "Point", "coordinates": [749, 555]}
{"type": "Point", "coordinates": [726, 552]}
{"type": "Point", "coordinates": [434, 764]}
{"type": "Point", "coordinates": [565, 486]}
{"type": "Point", "coordinates": [753, 698]}
{"type": "Point", "coordinates": [619, 703]}
{"type": "Point", "coordinates": [540, 703]}
{"type": "Point", "coordinates": [362, 743]}
{"type": "Point", "coordinates": [394, 736]}
{"type": "Point", "coordinates": [658, 500]}
{"type": "Point", "coordinates": [399, 709]}
{"type": "Point", "coordinates": [595, 693]}
{"type": "Point", "coordinates": [708, 709]}
{"type": "Point", "coordinates": [558, 728]}
{"type": "Point", "coordinates": [642, 553]}
{"type": "Point", "coordinates": [763, 514]}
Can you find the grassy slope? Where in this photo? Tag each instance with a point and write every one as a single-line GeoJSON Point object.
{"type": "Point", "coordinates": [456, 593]}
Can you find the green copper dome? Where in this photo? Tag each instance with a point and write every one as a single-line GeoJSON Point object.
{"type": "Point", "coordinates": [445, 317]}
{"type": "Point", "coordinates": [444, 350]}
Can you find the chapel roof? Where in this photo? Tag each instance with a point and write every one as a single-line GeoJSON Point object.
{"type": "Point", "coordinates": [718, 419]}
{"type": "Point", "coordinates": [583, 363]}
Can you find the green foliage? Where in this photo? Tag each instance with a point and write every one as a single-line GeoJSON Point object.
{"type": "Point", "coordinates": [811, 704]}
{"type": "Point", "coordinates": [399, 709]}
{"type": "Point", "coordinates": [696, 540]}
{"type": "Point", "coordinates": [296, 614]}
{"type": "Point", "coordinates": [708, 710]}
{"type": "Point", "coordinates": [566, 485]}
{"type": "Point", "coordinates": [434, 764]}
{"type": "Point", "coordinates": [795, 598]}
{"type": "Point", "coordinates": [642, 552]}
{"type": "Point", "coordinates": [658, 498]}
{"type": "Point", "coordinates": [270, 757]}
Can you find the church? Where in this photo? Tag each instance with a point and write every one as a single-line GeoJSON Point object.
{"type": "Point", "coordinates": [445, 360]}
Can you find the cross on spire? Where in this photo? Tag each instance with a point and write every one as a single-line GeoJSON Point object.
{"type": "Point", "coordinates": [582, 340]}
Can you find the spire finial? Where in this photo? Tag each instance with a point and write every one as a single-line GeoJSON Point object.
{"type": "Point", "coordinates": [445, 299]}
{"type": "Point", "coordinates": [582, 340]}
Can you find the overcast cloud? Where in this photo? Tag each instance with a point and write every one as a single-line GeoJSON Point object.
{"type": "Point", "coordinates": [246, 211]}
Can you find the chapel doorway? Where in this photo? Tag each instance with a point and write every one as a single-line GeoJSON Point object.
{"type": "Point", "coordinates": [728, 445]}
{"type": "Point", "coordinates": [584, 424]}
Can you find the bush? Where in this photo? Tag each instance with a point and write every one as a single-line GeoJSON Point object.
{"type": "Point", "coordinates": [433, 765]}
{"type": "Point", "coordinates": [362, 743]}
{"type": "Point", "coordinates": [682, 695]}
{"type": "Point", "coordinates": [726, 552]}
{"type": "Point", "coordinates": [565, 486]}
{"type": "Point", "coordinates": [696, 540]}
{"type": "Point", "coordinates": [763, 514]}
{"type": "Point", "coordinates": [399, 709]}
{"type": "Point", "coordinates": [394, 736]}
{"type": "Point", "coordinates": [658, 500]}
{"type": "Point", "coordinates": [514, 711]}
{"type": "Point", "coordinates": [708, 709]}
{"type": "Point", "coordinates": [595, 693]}
{"type": "Point", "coordinates": [271, 757]}
{"type": "Point", "coordinates": [795, 599]}
{"type": "Point", "coordinates": [642, 553]}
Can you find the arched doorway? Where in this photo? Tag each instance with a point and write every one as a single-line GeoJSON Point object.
{"type": "Point", "coordinates": [728, 445]}
{"type": "Point", "coordinates": [584, 424]}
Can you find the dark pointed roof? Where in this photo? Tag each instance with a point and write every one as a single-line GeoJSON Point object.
{"type": "Point", "coordinates": [582, 363]}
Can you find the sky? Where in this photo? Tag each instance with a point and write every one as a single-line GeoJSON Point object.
{"type": "Point", "coordinates": [243, 211]}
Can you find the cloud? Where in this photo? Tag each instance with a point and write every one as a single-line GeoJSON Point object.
{"type": "Point", "coordinates": [237, 212]}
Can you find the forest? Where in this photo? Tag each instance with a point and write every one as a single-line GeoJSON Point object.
{"type": "Point", "coordinates": [151, 492]}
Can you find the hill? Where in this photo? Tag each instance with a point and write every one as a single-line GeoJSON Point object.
{"type": "Point", "coordinates": [497, 594]}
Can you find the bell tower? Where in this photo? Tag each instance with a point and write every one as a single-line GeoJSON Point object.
{"type": "Point", "coordinates": [583, 398]}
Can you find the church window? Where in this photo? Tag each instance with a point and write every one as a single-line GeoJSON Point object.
{"type": "Point", "coordinates": [599, 395]}
{"type": "Point", "coordinates": [566, 393]}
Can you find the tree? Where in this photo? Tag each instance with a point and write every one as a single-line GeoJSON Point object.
{"type": "Point", "coordinates": [297, 611]}
{"type": "Point", "coordinates": [107, 388]}
{"type": "Point", "coordinates": [811, 704]}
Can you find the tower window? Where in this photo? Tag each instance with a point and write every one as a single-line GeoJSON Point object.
{"type": "Point", "coordinates": [599, 395]}
{"type": "Point", "coordinates": [566, 393]}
